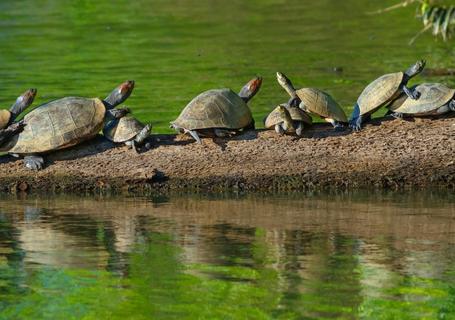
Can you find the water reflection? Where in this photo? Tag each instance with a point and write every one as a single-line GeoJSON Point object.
{"type": "Point", "coordinates": [292, 256]}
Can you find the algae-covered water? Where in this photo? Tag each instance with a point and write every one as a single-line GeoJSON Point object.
{"type": "Point", "coordinates": [177, 49]}
{"type": "Point", "coordinates": [299, 256]}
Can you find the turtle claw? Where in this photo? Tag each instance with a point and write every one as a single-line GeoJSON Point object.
{"type": "Point", "coordinates": [397, 115]}
{"type": "Point", "coordinates": [34, 162]}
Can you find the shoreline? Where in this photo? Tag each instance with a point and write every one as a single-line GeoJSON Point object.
{"type": "Point", "coordinates": [386, 154]}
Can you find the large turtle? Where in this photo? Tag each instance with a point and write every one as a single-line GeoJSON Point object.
{"type": "Point", "coordinates": [314, 101]}
{"type": "Point", "coordinates": [382, 91]}
{"type": "Point", "coordinates": [64, 123]}
{"type": "Point", "coordinates": [8, 126]}
{"type": "Point", "coordinates": [435, 99]}
{"type": "Point", "coordinates": [127, 130]}
{"type": "Point", "coordinates": [219, 112]}
{"type": "Point", "coordinates": [286, 119]}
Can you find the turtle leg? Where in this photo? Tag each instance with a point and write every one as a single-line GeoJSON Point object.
{"type": "Point", "coordinates": [222, 133]}
{"type": "Point", "coordinates": [34, 162]}
{"type": "Point", "coordinates": [355, 123]}
{"type": "Point", "coordinates": [299, 129]}
{"type": "Point", "coordinates": [279, 129]}
{"type": "Point", "coordinates": [336, 125]}
{"type": "Point", "coordinates": [194, 135]}
{"type": "Point", "coordinates": [413, 94]}
{"type": "Point", "coordinates": [452, 105]}
{"type": "Point", "coordinates": [396, 115]}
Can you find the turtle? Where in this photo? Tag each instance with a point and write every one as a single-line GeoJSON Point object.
{"type": "Point", "coordinates": [435, 99]}
{"type": "Point", "coordinates": [64, 123]}
{"type": "Point", "coordinates": [219, 111]}
{"type": "Point", "coordinates": [382, 91]}
{"type": "Point", "coordinates": [127, 130]}
{"type": "Point", "coordinates": [286, 119]}
{"type": "Point", "coordinates": [8, 126]}
{"type": "Point", "coordinates": [314, 101]}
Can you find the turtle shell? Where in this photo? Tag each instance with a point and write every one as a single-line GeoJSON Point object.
{"type": "Point", "coordinates": [59, 124]}
{"type": "Point", "coordinates": [5, 116]}
{"type": "Point", "coordinates": [379, 92]}
{"type": "Point", "coordinates": [296, 114]}
{"type": "Point", "coordinates": [432, 97]}
{"type": "Point", "coordinates": [219, 108]}
{"type": "Point", "coordinates": [321, 103]}
{"type": "Point", "coordinates": [126, 129]}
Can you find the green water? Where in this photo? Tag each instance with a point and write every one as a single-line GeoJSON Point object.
{"type": "Point", "coordinates": [177, 49]}
{"type": "Point", "coordinates": [344, 256]}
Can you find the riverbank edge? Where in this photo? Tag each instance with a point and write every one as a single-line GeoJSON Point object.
{"type": "Point", "coordinates": [386, 155]}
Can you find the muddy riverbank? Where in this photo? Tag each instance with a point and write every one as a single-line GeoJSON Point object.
{"type": "Point", "coordinates": [388, 153]}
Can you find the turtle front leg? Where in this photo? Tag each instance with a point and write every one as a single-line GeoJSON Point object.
{"type": "Point", "coordinates": [279, 129]}
{"type": "Point", "coordinates": [452, 105]}
{"type": "Point", "coordinates": [34, 162]}
{"type": "Point", "coordinates": [336, 125]}
{"type": "Point", "coordinates": [299, 129]}
{"type": "Point", "coordinates": [413, 94]}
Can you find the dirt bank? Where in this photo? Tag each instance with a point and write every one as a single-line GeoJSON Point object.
{"type": "Point", "coordinates": [386, 154]}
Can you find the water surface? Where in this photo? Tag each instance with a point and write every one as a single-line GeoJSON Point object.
{"type": "Point", "coordinates": [177, 49]}
{"type": "Point", "coordinates": [232, 257]}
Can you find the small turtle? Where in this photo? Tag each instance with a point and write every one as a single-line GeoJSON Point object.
{"type": "Point", "coordinates": [435, 99]}
{"type": "Point", "coordinates": [8, 127]}
{"type": "Point", "coordinates": [220, 112]}
{"type": "Point", "coordinates": [382, 91]}
{"type": "Point", "coordinates": [127, 130]}
{"type": "Point", "coordinates": [64, 123]}
{"type": "Point", "coordinates": [314, 101]}
{"type": "Point", "coordinates": [286, 119]}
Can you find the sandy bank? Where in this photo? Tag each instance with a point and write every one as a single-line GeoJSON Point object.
{"type": "Point", "coordinates": [386, 154]}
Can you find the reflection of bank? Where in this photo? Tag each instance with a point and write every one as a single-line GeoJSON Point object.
{"type": "Point", "coordinates": [89, 231]}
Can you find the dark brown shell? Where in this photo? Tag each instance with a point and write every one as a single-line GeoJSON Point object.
{"type": "Point", "coordinates": [296, 114]}
{"type": "Point", "coordinates": [379, 92]}
{"type": "Point", "coordinates": [126, 129]}
{"type": "Point", "coordinates": [219, 108]}
{"type": "Point", "coordinates": [432, 97]}
{"type": "Point", "coordinates": [5, 116]}
{"type": "Point", "coordinates": [321, 103]}
{"type": "Point", "coordinates": [59, 124]}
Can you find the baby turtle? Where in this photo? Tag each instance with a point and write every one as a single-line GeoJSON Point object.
{"type": "Point", "coordinates": [285, 119]}
{"type": "Point", "coordinates": [8, 127]}
{"type": "Point", "coordinates": [314, 101]}
{"type": "Point", "coordinates": [435, 99]}
{"type": "Point", "coordinates": [219, 112]}
{"type": "Point", "coordinates": [127, 130]}
{"type": "Point", "coordinates": [382, 91]}
{"type": "Point", "coordinates": [64, 123]}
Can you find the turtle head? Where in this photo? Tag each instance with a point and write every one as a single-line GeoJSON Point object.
{"type": "Point", "coordinates": [119, 94]}
{"type": "Point", "coordinates": [22, 102]}
{"type": "Point", "coordinates": [250, 89]}
{"type": "Point", "coordinates": [286, 116]}
{"type": "Point", "coordinates": [286, 84]}
{"type": "Point", "coordinates": [282, 79]}
{"type": "Point", "coordinates": [416, 68]}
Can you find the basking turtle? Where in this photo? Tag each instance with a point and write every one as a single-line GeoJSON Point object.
{"type": "Point", "coordinates": [127, 130]}
{"type": "Point", "coordinates": [64, 123]}
{"type": "Point", "coordinates": [286, 119]}
{"type": "Point", "coordinates": [435, 99]}
{"type": "Point", "coordinates": [383, 90]}
{"type": "Point", "coordinates": [219, 112]}
{"type": "Point", "coordinates": [8, 127]}
{"type": "Point", "coordinates": [314, 101]}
